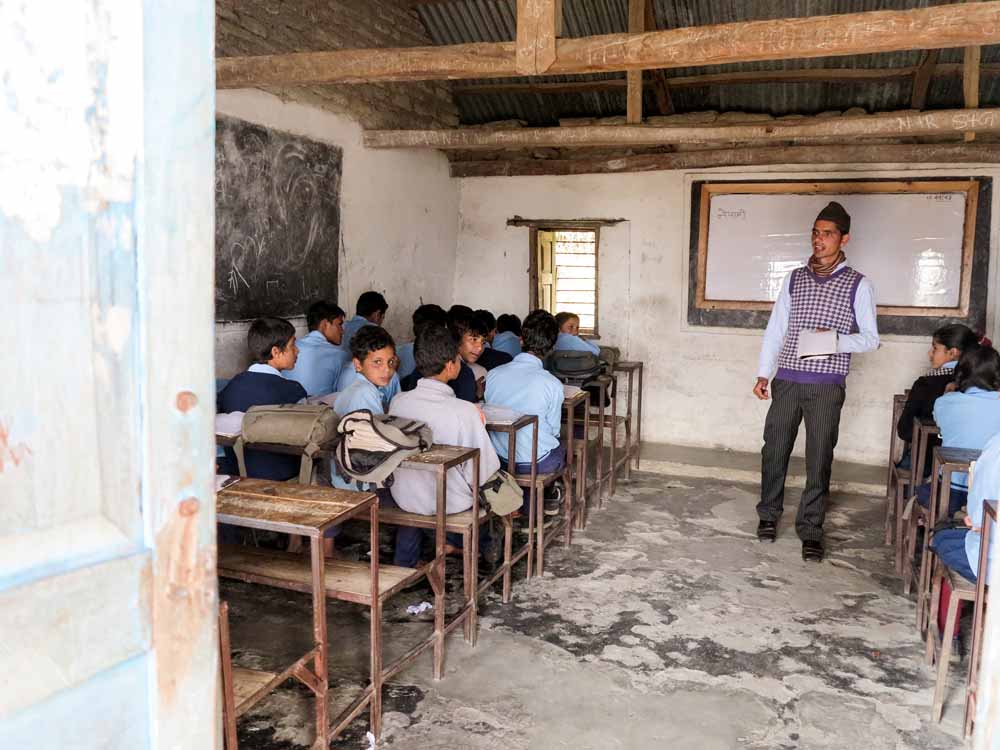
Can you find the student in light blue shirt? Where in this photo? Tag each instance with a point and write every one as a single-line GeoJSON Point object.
{"type": "Point", "coordinates": [968, 416]}
{"type": "Point", "coordinates": [524, 386]}
{"type": "Point", "coordinates": [320, 357]}
{"type": "Point", "coordinates": [569, 335]}
{"type": "Point", "coordinates": [370, 311]}
{"type": "Point", "coordinates": [374, 359]}
{"type": "Point", "coordinates": [508, 338]}
{"type": "Point", "coordinates": [428, 313]}
{"type": "Point", "coordinates": [959, 548]}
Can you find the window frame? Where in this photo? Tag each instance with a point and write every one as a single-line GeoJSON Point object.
{"type": "Point", "coordinates": [565, 226]}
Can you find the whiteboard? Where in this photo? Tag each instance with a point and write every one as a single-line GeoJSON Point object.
{"type": "Point", "coordinates": [915, 247]}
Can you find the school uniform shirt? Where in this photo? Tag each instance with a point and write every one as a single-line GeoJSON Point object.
{"type": "Point", "coordinates": [319, 364]}
{"type": "Point", "coordinates": [865, 340]}
{"type": "Point", "coordinates": [351, 327]}
{"type": "Point", "coordinates": [407, 363]}
{"type": "Point", "coordinates": [507, 342]}
{"type": "Point", "coordinates": [569, 342]}
{"type": "Point", "coordinates": [491, 358]}
{"type": "Point", "coordinates": [923, 393]}
{"type": "Point", "coordinates": [985, 486]}
{"type": "Point", "coordinates": [260, 385]}
{"type": "Point", "coordinates": [348, 375]}
{"type": "Point", "coordinates": [464, 385]}
{"type": "Point", "coordinates": [525, 387]}
{"type": "Point", "coordinates": [453, 422]}
{"type": "Point", "coordinates": [361, 394]}
{"type": "Point", "coordinates": [967, 420]}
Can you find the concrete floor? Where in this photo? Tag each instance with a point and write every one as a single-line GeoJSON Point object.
{"type": "Point", "coordinates": [665, 625]}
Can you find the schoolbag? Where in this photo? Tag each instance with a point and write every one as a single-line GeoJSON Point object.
{"type": "Point", "coordinates": [372, 446]}
{"type": "Point", "coordinates": [305, 426]}
{"type": "Point", "coordinates": [611, 355]}
{"type": "Point", "coordinates": [573, 367]}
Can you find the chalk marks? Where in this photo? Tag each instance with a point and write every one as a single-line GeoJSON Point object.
{"type": "Point", "coordinates": [12, 454]}
{"type": "Point", "coordinates": [277, 221]}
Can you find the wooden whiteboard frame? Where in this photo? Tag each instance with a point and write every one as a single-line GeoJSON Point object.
{"type": "Point", "coordinates": [968, 186]}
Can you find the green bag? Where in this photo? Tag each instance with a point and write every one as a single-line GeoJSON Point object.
{"type": "Point", "coordinates": [304, 426]}
{"type": "Point", "coordinates": [501, 494]}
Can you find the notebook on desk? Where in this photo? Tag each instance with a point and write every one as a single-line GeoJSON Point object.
{"type": "Point", "coordinates": [229, 425]}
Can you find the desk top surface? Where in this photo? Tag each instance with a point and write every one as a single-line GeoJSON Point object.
{"type": "Point", "coordinates": [523, 421]}
{"type": "Point", "coordinates": [288, 507]}
{"type": "Point", "coordinates": [957, 455]}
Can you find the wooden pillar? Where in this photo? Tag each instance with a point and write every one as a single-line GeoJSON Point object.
{"type": "Point", "coordinates": [636, 22]}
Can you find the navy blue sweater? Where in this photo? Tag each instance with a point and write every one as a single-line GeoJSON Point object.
{"type": "Point", "coordinates": [260, 389]}
{"type": "Point", "coordinates": [464, 385]}
{"type": "Point", "coordinates": [491, 358]}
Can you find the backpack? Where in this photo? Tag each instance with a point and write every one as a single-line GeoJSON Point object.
{"type": "Point", "coordinates": [501, 494]}
{"type": "Point", "coordinates": [611, 355]}
{"type": "Point", "coordinates": [304, 426]}
{"type": "Point", "coordinates": [372, 446]}
{"type": "Point", "coordinates": [573, 367]}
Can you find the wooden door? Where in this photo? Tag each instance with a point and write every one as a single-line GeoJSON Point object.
{"type": "Point", "coordinates": [547, 270]}
{"type": "Point", "coordinates": [108, 597]}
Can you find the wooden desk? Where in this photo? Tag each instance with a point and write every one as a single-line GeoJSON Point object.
{"type": "Point", "coordinates": [924, 431]}
{"type": "Point", "coordinates": [528, 550]}
{"type": "Point", "coordinates": [947, 461]}
{"type": "Point", "coordinates": [308, 511]}
{"type": "Point", "coordinates": [632, 368]}
{"type": "Point", "coordinates": [978, 614]}
{"type": "Point", "coordinates": [570, 407]}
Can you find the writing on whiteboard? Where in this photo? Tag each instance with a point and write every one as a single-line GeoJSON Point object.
{"type": "Point", "coordinates": [723, 213]}
{"type": "Point", "coordinates": [940, 197]}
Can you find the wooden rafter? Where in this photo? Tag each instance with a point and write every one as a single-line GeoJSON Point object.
{"type": "Point", "coordinates": [735, 157]}
{"type": "Point", "coordinates": [960, 25]}
{"type": "Point", "coordinates": [664, 102]}
{"type": "Point", "coordinates": [633, 96]}
{"type": "Point", "coordinates": [886, 125]}
{"type": "Point", "coordinates": [970, 81]}
{"type": "Point", "coordinates": [537, 28]}
{"type": "Point", "coordinates": [922, 78]}
{"type": "Point", "coordinates": [804, 75]}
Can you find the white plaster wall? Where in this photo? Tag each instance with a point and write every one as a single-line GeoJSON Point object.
{"type": "Point", "coordinates": [697, 381]}
{"type": "Point", "coordinates": [399, 218]}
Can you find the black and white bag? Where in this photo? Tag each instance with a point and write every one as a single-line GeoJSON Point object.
{"type": "Point", "coordinates": [372, 446]}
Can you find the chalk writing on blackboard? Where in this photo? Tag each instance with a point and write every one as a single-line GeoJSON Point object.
{"type": "Point", "coordinates": [277, 226]}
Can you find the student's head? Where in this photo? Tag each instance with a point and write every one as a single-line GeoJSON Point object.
{"type": "Point", "coordinates": [271, 341]}
{"type": "Point", "coordinates": [429, 313]}
{"type": "Point", "coordinates": [491, 323]}
{"type": "Point", "coordinates": [436, 352]}
{"type": "Point", "coordinates": [471, 331]}
{"type": "Point", "coordinates": [509, 322]}
{"type": "Point", "coordinates": [328, 319]}
{"type": "Point", "coordinates": [372, 307]}
{"type": "Point", "coordinates": [831, 232]}
{"type": "Point", "coordinates": [460, 311]}
{"type": "Point", "coordinates": [374, 354]}
{"type": "Point", "coordinates": [538, 333]}
{"type": "Point", "coordinates": [950, 342]}
{"type": "Point", "coordinates": [979, 367]}
{"type": "Point", "coordinates": [568, 323]}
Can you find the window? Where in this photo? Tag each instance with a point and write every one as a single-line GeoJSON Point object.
{"type": "Point", "coordinates": [566, 270]}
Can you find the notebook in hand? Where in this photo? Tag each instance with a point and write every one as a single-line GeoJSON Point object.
{"type": "Point", "coordinates": [816, 344]}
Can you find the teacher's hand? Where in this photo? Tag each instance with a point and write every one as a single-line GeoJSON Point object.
{"type": "Point", "coordinates": [760, 390]}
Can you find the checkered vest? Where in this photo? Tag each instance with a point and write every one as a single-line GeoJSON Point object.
{"type": "Point", "coordinates": [819, 302]}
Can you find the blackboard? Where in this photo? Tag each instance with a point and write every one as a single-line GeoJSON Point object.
{"type": "Point", "coordinates": [277, 221]}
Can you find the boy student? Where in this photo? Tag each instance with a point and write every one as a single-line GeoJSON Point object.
{"type": "Point", "coordinates": [525, 387]}
{"type": "Point", "coordinates": [508, 338]}
{"type": "Point", "coordinates": [490, 357]}
{"type": "Point", "coordinates": [470, 332]}
{"type": "Point", "coordinates": [272, 345]}
{"type": "Point", "coordinates": [569, 335]}
{"type": "Point", "coordinates": [428, 313]}
{"type": "Point", "coordinates": [825, 295]}
{"type": "Point", "coordinates": [370, 311]}
{"type": "Point", "coordinates": [320, 356]}
{"type": "Point", "coordinates": [453, 422]}
{"type": "Point", "coordinates": [374, 360]}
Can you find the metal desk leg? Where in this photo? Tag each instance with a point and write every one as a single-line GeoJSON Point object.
{"type": "Point", "coordinates": [638, 421]}
{"type": "Point", "coordinates": [320, 637]}
{"type": "Point", "coordinates": [375, 707]}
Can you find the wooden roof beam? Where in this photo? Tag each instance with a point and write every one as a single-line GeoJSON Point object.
{"type": "Point", "coordinates": [633, 78]}
{"type": "Point", "coordinates": [954, 25]}
{"type": "Point", "coordinates": [661, 88]}
{"type": "Point", "coordinates": [970, 81]}
{"type": "Point", "coordinates": [922, 78]}
{"type": "Point", "coordinates": [538, 25]}
{"type": "Point", "coordinates": [736, 157]}
{"type": "Point", "coordinates": [804, 75]}
{"type": "Point", "coordinates": [887, 125]}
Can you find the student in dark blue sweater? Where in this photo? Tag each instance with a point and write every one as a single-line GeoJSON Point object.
{"type": "Point", "coordinates": [272, 345]}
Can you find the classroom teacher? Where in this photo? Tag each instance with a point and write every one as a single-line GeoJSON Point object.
{"type": "Point", "coordinates": [824, 295]}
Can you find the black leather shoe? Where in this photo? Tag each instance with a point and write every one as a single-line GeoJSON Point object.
{"type": "Point", "coordinates": [812, 551]}
{"type": "Point", "coordinates": [767, 531]}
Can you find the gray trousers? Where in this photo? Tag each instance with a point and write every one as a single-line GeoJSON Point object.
{"type": "Point", "coordinates": [819, 406]}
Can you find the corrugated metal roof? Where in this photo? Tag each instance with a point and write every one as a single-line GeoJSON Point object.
{"type": "Point", "coordinates": [460, 21]}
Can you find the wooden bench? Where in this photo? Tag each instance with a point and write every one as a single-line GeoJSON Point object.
{"type": "Point", "coordinates": [924, 432]}
{"type": "Point", "coordinates": [632, 449]}
{"type": "Point", "coordinates": [979, 614]}
{"type": "Point", "coordinates": [897, 477]}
